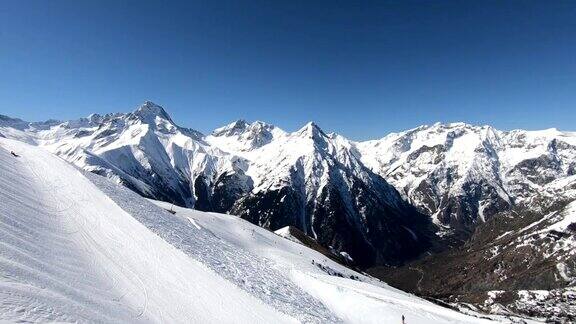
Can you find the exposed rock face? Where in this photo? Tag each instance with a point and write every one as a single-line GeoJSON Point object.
{"type": "Point", "coordinates": [315, 182]}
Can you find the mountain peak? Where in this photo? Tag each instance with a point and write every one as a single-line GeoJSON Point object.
{"type": "Point", "coordinates": [450, 125]}
{"type": "Point", "coordinates": [149, 111]}
{"type": "Point", "coordinates": [234, 128]}
{"type": "Point", "coordinates": [311, 129]}
{"type": "Point", "coordinates": [241, 126]}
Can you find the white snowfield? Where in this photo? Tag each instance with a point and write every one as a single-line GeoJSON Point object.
{"type": "Point", "coordinates": [76, 247]}
{"type": "Point", "coordinates": [69, 253]}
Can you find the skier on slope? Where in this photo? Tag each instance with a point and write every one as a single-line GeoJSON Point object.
{"type": "Point", "coordinates": [14, 154]}
{"type": "Point", "coordinates": [403, 319]}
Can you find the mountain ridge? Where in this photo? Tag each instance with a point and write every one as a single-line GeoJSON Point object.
{"type": "Point", "coordinates": [242, 162]}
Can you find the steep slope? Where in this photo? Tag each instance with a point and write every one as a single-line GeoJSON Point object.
{"type": "Point", "coordinates": [68, 253]}
{"type": "Point", "coordinates": [314, 182]}
{"type": "Point", "coordinates": [354, 297]}
{"type": "Point", "coordinates": [517, 262]}
{"type": "Point", "coordinates": [85, 249]}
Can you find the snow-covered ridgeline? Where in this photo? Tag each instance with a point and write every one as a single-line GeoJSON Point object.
{"type": "Point", "coordinates": [462, 174]}
{"type": "Point", "coordinates": [458, 174]}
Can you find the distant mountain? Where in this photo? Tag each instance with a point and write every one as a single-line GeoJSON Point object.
{"type": "Point", "coordinates": [316, 182]}
{"type": "Point", "coordinates": [462, 175]}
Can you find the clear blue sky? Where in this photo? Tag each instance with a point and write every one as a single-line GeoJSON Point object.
{"type": "Point", "coordinates": [360, 68]}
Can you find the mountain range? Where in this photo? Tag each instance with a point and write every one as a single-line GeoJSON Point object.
{"type": "Point", "coordinates": [463, 213]}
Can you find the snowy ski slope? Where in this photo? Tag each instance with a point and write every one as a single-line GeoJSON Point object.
{"type": "Point", "coordinates": [76, 247]}
{"type": "Point", "coordinates": [68, 253]}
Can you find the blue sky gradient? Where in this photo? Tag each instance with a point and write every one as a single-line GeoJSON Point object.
{"type": "Point", "coordinates": [360, 68]}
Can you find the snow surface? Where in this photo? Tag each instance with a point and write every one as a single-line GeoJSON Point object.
{"type": "Point", "coordinates": [566, 218]}
{"type": "Point", "coordinates": [78, 247]}
{"type": "Point", "coordinates": [365, 300]}
{"type": "Point", "coordinates": [285, 233]}
{"type": "Point", "coordinates": [69, 253]}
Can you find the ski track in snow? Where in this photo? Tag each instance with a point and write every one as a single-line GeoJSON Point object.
{"type": "Point", "coordinates": [35, 254]}
{"type": "Point", "coordinates": [194, 223]}
{"type": "Point", "coordinates": [254, 274]}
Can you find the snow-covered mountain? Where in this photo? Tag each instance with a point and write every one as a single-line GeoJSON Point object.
{"type": "Point", "coordinates": [479, 194]}
{"type": "Point", "coordinates": [272, 178]}
{"type": "Point", "coordinates": [77, 247]}
{"type": "Point", "coordinates": [462, 175]}
{"type": "Point", "coordinates": [337, 191]}
{"type": "Point", "coordinates": [316, 182]}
